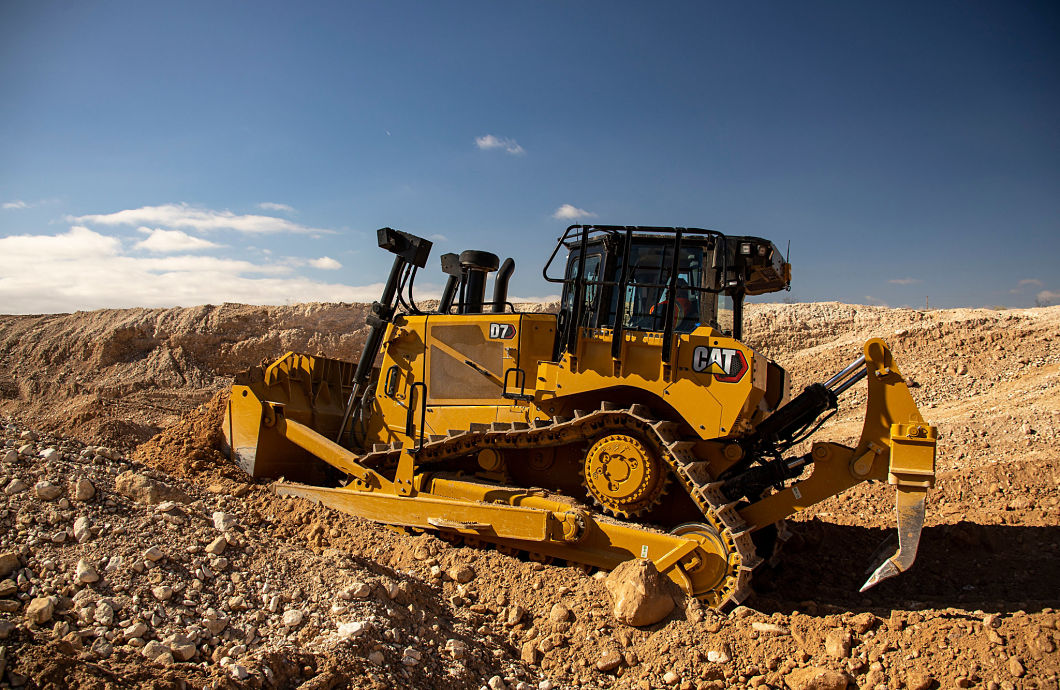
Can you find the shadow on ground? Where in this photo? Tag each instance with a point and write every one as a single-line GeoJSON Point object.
{"type": "Point", "coordinates": [1000, 568]}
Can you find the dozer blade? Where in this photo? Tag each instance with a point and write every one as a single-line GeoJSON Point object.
{"type": "Point", "coordinates": [310, 389]}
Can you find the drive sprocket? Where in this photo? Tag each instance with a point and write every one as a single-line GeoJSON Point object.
{"type": "Point", "coordinates": [623, 475]}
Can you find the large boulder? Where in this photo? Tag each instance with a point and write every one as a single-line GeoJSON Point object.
{"type": "Point", "coordinates": [641, 595]}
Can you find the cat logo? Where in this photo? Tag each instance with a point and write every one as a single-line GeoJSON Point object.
{"type": "Point", "coordinates": [502, 331]}
{"type": "Point", "coordinates": [727, 365]}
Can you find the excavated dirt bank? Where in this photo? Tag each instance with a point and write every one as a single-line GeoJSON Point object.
{"type": "Point", "coordinates": [977, 610]}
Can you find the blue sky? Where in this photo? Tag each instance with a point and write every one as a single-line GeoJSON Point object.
{"type": "Point", "coordinates": [155, 154]}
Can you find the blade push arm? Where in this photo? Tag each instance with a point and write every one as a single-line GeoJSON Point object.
{"type": "Point", "coordinates": [896, 445]}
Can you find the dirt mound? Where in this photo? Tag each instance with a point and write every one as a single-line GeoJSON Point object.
{"type": "Point", "coordinates": [118, 376]}
{"type": "Point", "coordinates": [192, 446]}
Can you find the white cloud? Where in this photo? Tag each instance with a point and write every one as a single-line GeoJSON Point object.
{"type": "Point", "coordinates": [1047, 298]}
{"type": "Point", "coordinates": [904, 281]}
{"type": "Point", "coordinates": [569, 212]}
{"type": "Point", "coordinates": [192, 218]}
{"type": "Point", "coordinates": [169, 241]}
{"type": "Point", "coordinates": [325, 263]}
{"type": "Point", "coordinates": [17, 203]}
{"type": "Point", "coordinates": [876, 302]}
{"type": "Point", "coordinates": [1031, 281]}
{"type": "Point", "coordinates": [271, 206]}
{"type": "Point", "coordinates": [437, 237]}
{"type": "Point", "coordinates": [84, 269]}
{"type": "Point", "coordinates": [489, 141]}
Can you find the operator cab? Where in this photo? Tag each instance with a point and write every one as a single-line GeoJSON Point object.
{"type": "Point", "coordinates": [626, 275]}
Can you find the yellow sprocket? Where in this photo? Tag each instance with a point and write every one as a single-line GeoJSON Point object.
{"type": "Point", "coordinates": [623, 476]}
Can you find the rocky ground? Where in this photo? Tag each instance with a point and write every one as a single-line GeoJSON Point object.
{"type": "Point", "coordinates": [136, 562]}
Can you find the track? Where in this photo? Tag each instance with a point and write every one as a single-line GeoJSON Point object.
{"type": "Point", "coordinates": [720, 516]}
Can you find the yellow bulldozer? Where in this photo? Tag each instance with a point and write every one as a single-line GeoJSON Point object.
{"type": "Point", "coordinates": [632, 423]}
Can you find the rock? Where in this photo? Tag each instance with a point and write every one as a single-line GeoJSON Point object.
{"type": "Point", "coordinates": [863, 622]}
{"type": "Point", "coordinates": [1015, 668]}
{"type": "Point", "coordinates": [86, 572]}
{"type": "Point", "coordinates": [609, 662]}
{"type": "Point", "coordinates": [992, 621]}
{"type": "Point", "coordinates": [496, 683]}
{"type": "Point", "coordinates": [671, 678]}
{"type": "Point", "coordinates": [8, 588]}
{"type": "Point", "coordinates": [9, 563]}
{"type": "Point", "coordinates": [292, 618]}
{"type": "Point", "coordinates": [10, 455]}
{"type": "Point", "coordinates": [16, 486]}
{"type": "Point", "coordinates": [6, 628]}
{"type": "Point", "coordinates": [359, 590]}
{"type": "Point", "coordinates": [815, 678]}
{"type": "Point", "coordinates": [40, 609]}
{"type": "Point", "coordinates": [411, 656]}
{"type": "Point", "coordinates": [353, 629]}
{"type": "Point", "coordinates": [515, 614]}
{"type": "Point", "coordinates": [559, 613]}
{"type": "Point", "coordinates": [528, 653]}
{"type": "Point", "coordinates": [217, 546]}
{"type": "Point", "coordinates": [741, 612]}
{"type": "Point", "coordinates": [82, 529]}
{"type": "Point", "coordinates": [720, 656]}
{"type": "Point", "coordinates": [238, 672]}
{"type": "Point", "coordinates": [82, 490]}
{"type": "Point", "coordinates": [154, 649]}
{"type": "Point", "coordinates": [153, 554]}
{"type": "Point", "coordinates": [770, 628]}
{"type": "Point", "coordinates": [181, 646]}
{"type": "Point", "coordinates": [457, 648]}
{"type": "Point", "coordinates": [837, 644]}
{"type": "Point", "coordinates": [214, 623]}
{"type": "Point", "coordinates": [49, 454]}
{"type": "Point", "coordinates": [138, 629]}
{"type": "Point", "coordinates": [46, 491]}
{"type": "Point", "coordinates": [162, 593]}
{"type": "Point", "coordinates": [29, 435]}
{"type": "Point", "coordinates": [223, 521]}
{"type": "Point", "coordinates": [104, 614]}
{"type": "Point", "coordinates": [640, 594]}
{"type": "Point", "coordinates": [145, 490]}
{"type": "Point", "coordinates": [461, 573]}
{"type": "Point", "coordinates": [377, 658]}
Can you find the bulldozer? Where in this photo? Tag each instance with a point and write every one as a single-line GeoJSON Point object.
{"type": "Point", "coordinates": [632, 422]}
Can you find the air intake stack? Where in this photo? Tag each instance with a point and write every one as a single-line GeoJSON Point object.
{"type": "Point", "coordinates": [475, 266]}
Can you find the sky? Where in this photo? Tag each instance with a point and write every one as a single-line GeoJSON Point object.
{"type": "Point", "coordinates": [183, 153]}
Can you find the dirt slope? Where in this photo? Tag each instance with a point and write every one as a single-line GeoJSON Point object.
{"type": "Point", "coordinates": [977, 610]}
{"type": "Point", "coordinates": [120, 376]}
